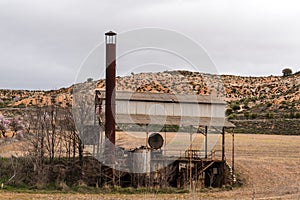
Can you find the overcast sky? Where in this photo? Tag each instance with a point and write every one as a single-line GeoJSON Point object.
{"type": "Point", "coordinates": [44, 42]}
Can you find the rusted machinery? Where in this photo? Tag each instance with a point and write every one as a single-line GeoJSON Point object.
{"type": "Point", "coordinates": [194, 168]}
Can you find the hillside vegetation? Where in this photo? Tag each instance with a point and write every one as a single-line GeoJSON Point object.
{"type": "Point", "coordinates": [272, 97]}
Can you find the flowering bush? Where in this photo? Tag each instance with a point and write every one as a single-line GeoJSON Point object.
{"type": "Point", "coordinates": [4, 125]}
{"type": "Point", "coordinates": [16, 126]}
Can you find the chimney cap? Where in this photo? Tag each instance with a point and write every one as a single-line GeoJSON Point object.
{"type": "Point", "coordinates": [110, 33]}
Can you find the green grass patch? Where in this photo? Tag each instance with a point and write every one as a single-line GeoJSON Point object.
{"type": "Point", "coordinates": [51, 189]}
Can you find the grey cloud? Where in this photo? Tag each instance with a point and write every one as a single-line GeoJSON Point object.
{"type": "Point", "coordinates": [47, 40]}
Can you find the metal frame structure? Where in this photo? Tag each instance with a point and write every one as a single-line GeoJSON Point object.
{"type": "Point", "coordinates": [217, 123]}
{"type": "Point", "coordinates": [151, 108]}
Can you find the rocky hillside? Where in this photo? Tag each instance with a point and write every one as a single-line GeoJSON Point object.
{"type": "Point", "coordinates": [246, 96]}
{"type": "Point", "coordinates": [27, 98]}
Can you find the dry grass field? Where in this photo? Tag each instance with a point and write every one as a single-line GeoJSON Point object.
{"type": "Point", "coordinates": [268, 164]}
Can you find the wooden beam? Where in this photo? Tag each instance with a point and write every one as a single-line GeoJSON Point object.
{"type": "Point", "coordinates": [223, 155]}
{"type": "Point", "coordinates": [205, 141]}
{"type": "Point", "coordinates": [232, 165]}
{"type": "Point", "coordinates": [223, 144]}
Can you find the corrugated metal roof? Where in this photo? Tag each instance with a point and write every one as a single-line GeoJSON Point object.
{"type": "Point", "coordinates": [173, 120]}
{"type": "Point", "coordinates": [164, 97]}
{"type": "Point", "coordinates": [167, 119]}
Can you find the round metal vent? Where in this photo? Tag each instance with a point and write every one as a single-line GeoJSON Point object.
{"type": "Point", "coordinates": [155, 141]}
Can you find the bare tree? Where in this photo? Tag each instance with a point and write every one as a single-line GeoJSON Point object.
{"type": "Point", "coordinates": [36, 142]}
{"type": "Point", "coordinates": [71, 139]}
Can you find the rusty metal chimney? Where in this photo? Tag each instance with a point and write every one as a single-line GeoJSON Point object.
{"type": "Point", "coordinates": [110, 94]}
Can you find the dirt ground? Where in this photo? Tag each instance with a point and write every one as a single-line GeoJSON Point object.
{"type": "Point", "coordinates": [268, 164]}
